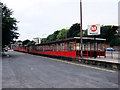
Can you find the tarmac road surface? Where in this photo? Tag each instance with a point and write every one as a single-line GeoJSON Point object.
{"type": "Point", "coordinates": [22, 70]}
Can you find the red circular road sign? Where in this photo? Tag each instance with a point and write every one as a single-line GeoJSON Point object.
{"type": "Point", "coordinates": [93, 28]}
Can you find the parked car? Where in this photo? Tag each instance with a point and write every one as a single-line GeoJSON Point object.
{"type": "Point", "coordinates": [110, 49]}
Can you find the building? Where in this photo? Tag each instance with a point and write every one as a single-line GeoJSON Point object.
{"type": "Point", "coordinates": [37, 40]}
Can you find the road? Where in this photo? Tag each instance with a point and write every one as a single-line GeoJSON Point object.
{"type": "Point", "coordinates": [22, 70]}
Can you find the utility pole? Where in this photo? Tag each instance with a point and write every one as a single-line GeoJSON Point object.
{"type": "Point", "coordinates": [1, 45]}
{"type": "Point", "coordinates": [81, 25]}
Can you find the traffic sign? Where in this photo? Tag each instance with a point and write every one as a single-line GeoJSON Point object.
{"type": "Point", "coordinates": [94, 29]}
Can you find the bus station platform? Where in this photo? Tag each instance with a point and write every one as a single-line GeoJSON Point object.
{"type": "Point", "coordinates": [109, 60]}
{"type": "Point", "coordinates": [106, 62]}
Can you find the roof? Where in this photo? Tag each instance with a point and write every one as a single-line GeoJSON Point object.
{"type": "Point", "coordinates": [90, 38]}
{"type": "Point", "coordinates": [84, 38]}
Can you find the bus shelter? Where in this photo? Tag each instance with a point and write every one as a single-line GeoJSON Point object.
{"type": "Point", "coordinates": [71, 47]}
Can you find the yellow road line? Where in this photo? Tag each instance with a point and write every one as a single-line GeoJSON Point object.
{"type": "Point", "coordinates": [78, 64]}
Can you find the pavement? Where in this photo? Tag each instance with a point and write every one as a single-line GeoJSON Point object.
{"type": "Point", "coordinates": [113, 55]}
{"type": "Point", "coordinates": [110, 60]}
{"type": "Point", "coordinates": [22, 70]}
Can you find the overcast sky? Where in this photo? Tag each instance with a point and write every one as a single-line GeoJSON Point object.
{"type": "Point", "coordinates": [39, 18]}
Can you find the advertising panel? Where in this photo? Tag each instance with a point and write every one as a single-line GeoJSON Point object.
{"type": "Point", "coordinates": [94, 29]}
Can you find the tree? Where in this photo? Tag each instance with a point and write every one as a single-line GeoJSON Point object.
{"type": "Point", "coordinates": [26, 42]}
{"type": "Point", "coordinates": [44, 40]}
{"type": "Point", "coordinates": [55, 35]}
{"type": "Point", "coordinates": [109, 33]}
{"type": "Point", "coordinates": [9, 26]}
{"type": "Point", "coordinates": [74, 30]}
{"type": "Point", "coordinates": [62, 34]}
{"type": "Point", "coordinates": [19, 41]}
{"type": "Point", "coordinates": [30, 43]}
{"type": "Point", "coordinates": [51, 37]}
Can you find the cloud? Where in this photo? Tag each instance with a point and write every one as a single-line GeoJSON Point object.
{"type": "Point", "coordinates": [100, 1]}
{"type": "Point", "coordinates": [38, 17]}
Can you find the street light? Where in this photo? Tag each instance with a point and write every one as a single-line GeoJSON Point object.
{"type": "Point", "coordinates": [81, 25]}
{"type": "Point", "coordinates": [1, 27]}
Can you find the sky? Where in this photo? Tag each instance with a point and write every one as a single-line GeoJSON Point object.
{"type": "Point", "coordinates": [39, 18]}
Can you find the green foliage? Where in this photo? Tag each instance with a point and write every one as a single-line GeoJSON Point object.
{"type": "Point", "coordinates": [30, 43]}
{"type": "Point", "coordinates": [51, 37]}
{"type": "Point", "coordinates": [85, 33]}
{"type": "Point", "coordinates": [25, 42]}
{"type": "Point", "coordinates": [55, 35]}
{"type": "Point", "coordinates": [74, 30]}
{"type": "Point", "coordinates": [62, 34]}
{"type": "Point", "coordinates": [44, 40]}
{"type": "Point", "coordinates": [19, 41]}
{"type": "Point", "coordinates": [109, 33]}
{"type": "Point", "coordinates": [115, 42]}
{"type": "Point", "coordinates": [9, 26]}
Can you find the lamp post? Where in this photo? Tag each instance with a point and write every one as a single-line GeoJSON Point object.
{"type": "Point", "coordinates": [81, 25]}
{"type": "Point", "coordinates": [1, 45]}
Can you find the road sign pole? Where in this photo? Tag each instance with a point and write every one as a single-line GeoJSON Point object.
{"type": "Point", "coordinates": [81, 25]}
{"type": "Point", "coordinates": [94, 46]}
